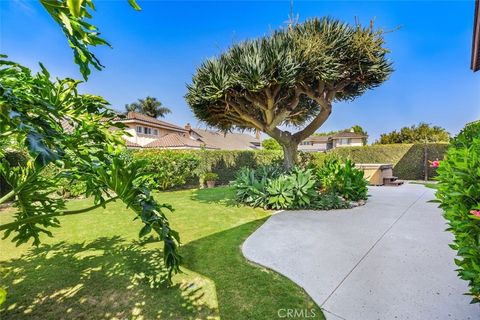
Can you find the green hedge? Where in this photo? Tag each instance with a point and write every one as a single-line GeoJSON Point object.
{"type": "Point", "coordinates": [407, 159]}
{"type": "Point", "coordinates": [224, 163]}
{"type": "Point", "coordinates": [459, 195]}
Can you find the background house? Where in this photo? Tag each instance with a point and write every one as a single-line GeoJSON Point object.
{"type": "Point", "coordinates": [337, 140]}
{"type": "Point", "coordinates": [148, 132]}
{"type": "Point", "coordinates": [228, 141]}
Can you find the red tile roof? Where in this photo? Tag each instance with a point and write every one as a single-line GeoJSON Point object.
{"type": "Point", "coordinates": [132, 116]}
{"type": "Point", "coordinates": [227, 141]}
{"type": "Point", "coordinates": [173, 140]}
{"type": "Point", "coordinates": [131, 144]}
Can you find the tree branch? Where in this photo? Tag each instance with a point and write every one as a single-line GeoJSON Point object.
{"type": "Point", "coordinates": [314, 125]}
{"type": "Point", "coordinates": [7, 196]}
{"type": "Point", "coordinates": [316, 97]}
{"type": "Point", "coordinates": [257, 124]}
{"type": "Point", "coordinates": [282, 115]}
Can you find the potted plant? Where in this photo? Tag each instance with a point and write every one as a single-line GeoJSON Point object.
{"type": "Point", "coordinates": [210, 178]}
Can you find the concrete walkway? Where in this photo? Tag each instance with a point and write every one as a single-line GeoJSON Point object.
{"type": "Point", "coordinates": [386, 260]}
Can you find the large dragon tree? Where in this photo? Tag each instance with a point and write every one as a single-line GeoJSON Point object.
{"type": "Point", "coordinates": [289, 79]}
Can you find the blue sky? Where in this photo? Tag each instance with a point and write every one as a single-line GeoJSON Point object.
{"type": "Point", "coordinates": [155, 52]}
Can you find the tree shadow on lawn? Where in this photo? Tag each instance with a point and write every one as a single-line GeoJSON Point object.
{"type": "Point", "coordinates": [104, 279]}
{"type": "Point", "coordinates": [245, 290]}
{"type": "Point", "coordinates": [223, 195]}
{"type": "Point", "coordinates": [110, 278]}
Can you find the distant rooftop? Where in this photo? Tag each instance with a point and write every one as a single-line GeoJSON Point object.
{"type": "Point", "coordinates": [133, 116]}
{"type": "Point", "coordinates": [227, 141]}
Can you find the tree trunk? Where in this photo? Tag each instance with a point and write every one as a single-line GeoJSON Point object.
{"type": "Point", "coordinates": [289, 154]}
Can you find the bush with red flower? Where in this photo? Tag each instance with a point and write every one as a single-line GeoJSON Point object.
{"type": "Point", "coordinates": [459, 196]}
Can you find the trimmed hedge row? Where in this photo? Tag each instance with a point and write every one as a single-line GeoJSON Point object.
{"type": "Point", "coordinates": [224, 163]}
{"type": "Point", "coordinates": [408, 159]}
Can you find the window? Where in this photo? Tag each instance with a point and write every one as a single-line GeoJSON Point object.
{"type": "Point", "coordinates": [147, 130]}
{"type": "Point", "coordinates": [344, 141]}
{"type": "Point", "coordinates": [155, 132]}
{"type": "Point", "coordinates": [139, 129]}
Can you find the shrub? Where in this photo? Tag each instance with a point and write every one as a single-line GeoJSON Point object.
{"type": "Point", "coordinates": [270, 189]}
{"type": "Point", "coordinates": [329, 201]}
{"type": "Point", "coordinates": [250, 188]}
{"type": "Point", "coordinates": [210, 176]}
{"type": "Point", "coordinates": [168, 167]}
{"type": "Point", "coordinates": [459, 196]}
{"type": "Point", "coordinates": [304, 187]}
{"type": "Point", "coordinates": [279, 193]}
{"type": "Point", "coordinates": [342, 179]}
{"type": "Point", "coordinates": [271, 144]}
{"type": "Point", "coordinates": [227, 163]}
{"type": "Point", "coordinates": [407, 159]}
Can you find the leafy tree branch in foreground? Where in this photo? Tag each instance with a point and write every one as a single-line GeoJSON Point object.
{"type": "Point", "coordinates": [34, 112]}
{"type": "Point", "coordinates": [71, 16]}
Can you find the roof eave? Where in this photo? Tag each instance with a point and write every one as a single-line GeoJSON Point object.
{"type": "Point", "coordinates": [153, 124]}
{"type": "Point", "coordinates": [475, 63]}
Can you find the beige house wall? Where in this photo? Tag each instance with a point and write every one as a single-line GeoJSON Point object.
{"type": "Point", "coordinates": [143, 139]}
{"type": "Point", "coordinates": [354, 142]}
{"type": "Point", "coordinates": [313, 147]}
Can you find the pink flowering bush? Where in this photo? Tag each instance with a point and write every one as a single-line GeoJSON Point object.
{"type": "Point", "coordinates": [459, 196]}
{"type": "Point", "coordinates": [435, 163]}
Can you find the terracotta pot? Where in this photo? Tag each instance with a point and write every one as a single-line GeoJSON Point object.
{"type": "Point", "coordinates": [211, 184]}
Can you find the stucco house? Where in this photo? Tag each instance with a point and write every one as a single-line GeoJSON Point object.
{"type": "Point", "coordinates": [337, 140]}
{"type": "Point", "coordinates": [145, 132]}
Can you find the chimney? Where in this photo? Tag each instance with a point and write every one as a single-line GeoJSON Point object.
{"type": "Point", "coordinates": [257, 134]}
{"type": "Point", "coordinates": [188, 127]}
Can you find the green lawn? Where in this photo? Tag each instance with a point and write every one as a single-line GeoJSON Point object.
{"type": "Point", "coordinates": [431, 185]}
{"type": "Point", "coordinates": [95, 267]}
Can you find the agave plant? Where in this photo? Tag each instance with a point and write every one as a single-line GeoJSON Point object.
{"type": "Point", "coordinates": [303, 186]}
{"type": "Point", "coordinates": [249, 189]}
{"type": "Point", "coordinates": [280, 193]}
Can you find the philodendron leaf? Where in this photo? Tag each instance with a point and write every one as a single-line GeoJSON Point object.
{"type": "Point", "coordinates": [75, 7]}
{"type": "Point", "coordinates": [145, 230]}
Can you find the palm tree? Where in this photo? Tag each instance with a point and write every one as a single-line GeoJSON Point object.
{"type": "Point", "coordinates": [149, 106]}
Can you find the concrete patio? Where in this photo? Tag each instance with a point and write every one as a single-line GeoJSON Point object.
{"type": "Point", "coordinates": [386, 260]}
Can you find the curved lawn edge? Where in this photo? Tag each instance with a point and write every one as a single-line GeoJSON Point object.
{"type": "Point", "coordinates": [218, 281]}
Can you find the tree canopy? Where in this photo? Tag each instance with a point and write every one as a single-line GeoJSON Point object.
{"type": "Point", "coordinates": [420, 133]}
{"type": "Point", "coordinates": [289, 78]}
{"type": "Point", "coordinates": [271, 144]}
{"type": "Point", "coordinates": [149, 106]}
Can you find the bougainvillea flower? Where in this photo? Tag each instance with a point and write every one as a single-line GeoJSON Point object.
{"type": "Point", "coordinates": [476, 213]}
{"type": "Point", "coordinates": [434, 163]}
